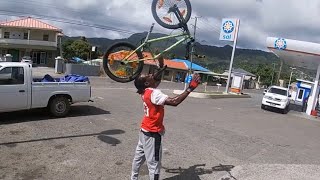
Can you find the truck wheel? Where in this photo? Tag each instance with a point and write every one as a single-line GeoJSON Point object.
{"type": "Point", "coordinates": [59, 106]}
{"type": "Point", "coordinates": [285, 110]}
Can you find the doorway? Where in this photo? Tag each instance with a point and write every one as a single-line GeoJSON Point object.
{"type": "Point", "coordinates": [15, 54]}
{"type": "Point", "coordinates": [39, 58]}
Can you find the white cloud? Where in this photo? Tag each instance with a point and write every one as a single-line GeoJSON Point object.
{"type": "Point", "coordinates": [294, 19]}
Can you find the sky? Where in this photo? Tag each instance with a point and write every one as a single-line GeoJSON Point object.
{"type": "Point", "coordinates": [292, 19]}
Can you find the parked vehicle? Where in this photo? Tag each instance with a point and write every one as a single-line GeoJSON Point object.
{"type": "Point", "coordinates": [19, 91]}
{"type": "Point", "coordinates": [26, 59]}
{"type": "Point", "coordinates": [276, 97]}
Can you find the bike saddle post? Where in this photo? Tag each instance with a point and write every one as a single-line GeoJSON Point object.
{"type": "Point", "coordinates": [151, 29]}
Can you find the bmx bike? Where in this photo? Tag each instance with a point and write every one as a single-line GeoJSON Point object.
{"type": "Point", "coordinates": [123, 61]}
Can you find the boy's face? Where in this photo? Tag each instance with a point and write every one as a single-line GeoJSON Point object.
{"type": "Point", "coordinates": [151, 82]}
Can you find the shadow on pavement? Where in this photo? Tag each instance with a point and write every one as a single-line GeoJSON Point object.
{"type": "Point", "coordinates": [296, 107]}
{"type": "Point", "coordinates": [193, 172]}
{"type": "Point", "coordinates": [292, 107]}
{"type": "Point", "coordinates": [43, 114]}
{"type": "Point", "coordinates": [226, 168]}
{"type": "Point", "coordinates": [102, 134]}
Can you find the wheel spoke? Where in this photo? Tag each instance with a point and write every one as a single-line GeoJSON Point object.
{"type": "Point", "coordinates": [161, 2]}
{"type": "Point", "coordinates": [121, 64]}
{"type": "Point", "coordinates": [170, 18]}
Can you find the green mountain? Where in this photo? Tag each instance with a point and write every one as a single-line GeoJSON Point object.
{"type": "Point", "coordinates": [216, 58]}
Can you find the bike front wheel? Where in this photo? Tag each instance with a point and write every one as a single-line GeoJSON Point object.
{"type": "Point", "coordinates": [166, 18]}
{"type": "Point", "coordinates": [119, 65]}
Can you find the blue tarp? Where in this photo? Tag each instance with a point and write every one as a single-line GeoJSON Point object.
{"type": "Point", "coordinates": [67, 78]}
{"type": "Point", "coordinates": [195, 67]}
{"type": "Point", "coordinates": [77, 60]}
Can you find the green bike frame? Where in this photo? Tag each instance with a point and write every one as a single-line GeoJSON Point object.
{"type": "Point", "coordinates": [186, 36]}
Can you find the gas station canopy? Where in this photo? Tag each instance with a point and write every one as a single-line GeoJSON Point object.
{"type": "Point", "coordinates": [299, 54]}
{"type": "Point", "coordinates": [296, 53]}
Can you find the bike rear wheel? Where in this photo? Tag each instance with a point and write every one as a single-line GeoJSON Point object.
{"type": "Point", "coordinates": [116, 66]}
{"type": "Point", "coordinates": [161, 12]}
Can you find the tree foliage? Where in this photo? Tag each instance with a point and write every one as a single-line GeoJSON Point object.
{"type": "Point", "coordinates": [76, 48]}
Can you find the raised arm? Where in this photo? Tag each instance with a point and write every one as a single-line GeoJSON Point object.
{"type": "Point", "coordinates": [175, 101]}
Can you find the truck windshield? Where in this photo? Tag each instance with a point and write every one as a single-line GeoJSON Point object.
{"type": "Point", "coordinates": [278, 91]}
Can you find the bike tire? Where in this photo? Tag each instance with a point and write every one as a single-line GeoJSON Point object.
{"type": "Point", "coordinates": [175, 25]}
{"type": "Point", "coordinates": [107, 63]}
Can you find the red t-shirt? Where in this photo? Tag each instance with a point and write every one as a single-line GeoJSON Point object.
{"type": "Point", "coordinates": [153, 102]}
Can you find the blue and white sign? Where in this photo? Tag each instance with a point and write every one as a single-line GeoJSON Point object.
{"type": "Point", "coordinates": [188, 79]}
{"type": "Point", "coordinates": [228, 29]}
{"type": "Point", "coordinates": [280, 43]}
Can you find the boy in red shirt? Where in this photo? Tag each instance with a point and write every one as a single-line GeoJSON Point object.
{"type": "Point", "coordinates": [149, 145]}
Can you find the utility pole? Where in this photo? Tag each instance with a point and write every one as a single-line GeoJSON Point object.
{"type": "Point", "coordinates": [192, 44]}
{"type": "Point", "coordinates": [192, 47]}
{"type": "Point", "coordinates": [274, 67]}
{"type": "Point", "coordinates": [280, 71]}
{"type": "Point", "coordinates": [292, 68]}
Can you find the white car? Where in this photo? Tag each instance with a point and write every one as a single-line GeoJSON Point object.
{"type": "Point", "coordinates": [276, 97]}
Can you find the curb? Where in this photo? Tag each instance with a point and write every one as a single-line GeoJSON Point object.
{"type": "Point", "coordinates": [211, 96]}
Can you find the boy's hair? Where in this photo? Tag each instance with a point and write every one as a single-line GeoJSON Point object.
{"type": "Point", "coordinates": [139, 82]}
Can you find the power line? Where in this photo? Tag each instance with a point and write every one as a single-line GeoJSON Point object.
{"type": "Point", "coordinates": [71, 11]}
{"type": "Point", "coordinates": [208, 24]}
{"type": "Point", "coordinates": [73, 21]}
{"type": "Point", "coordinates": [68, 21]}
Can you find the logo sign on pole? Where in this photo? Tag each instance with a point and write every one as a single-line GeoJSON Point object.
{"type": "Point", "coordinates": [228, 29]}
{"type": "Point", "coordinates": [280, 44]}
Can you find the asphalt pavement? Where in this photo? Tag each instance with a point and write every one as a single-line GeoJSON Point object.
{"type": "Point", "coordinates": [207, 139]}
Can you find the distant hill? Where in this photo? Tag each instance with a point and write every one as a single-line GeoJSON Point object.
{"type": "Point", "coordinates": [217, 58]}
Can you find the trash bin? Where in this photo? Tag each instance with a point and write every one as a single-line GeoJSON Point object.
{"type": "Point", "coordinates": [59, 66]}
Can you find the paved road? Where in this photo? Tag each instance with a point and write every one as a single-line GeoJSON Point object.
{"type": "Point", "coordinates": [97, 140]}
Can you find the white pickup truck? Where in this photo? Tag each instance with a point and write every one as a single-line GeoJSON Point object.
{"type": "Point", "coordinates": [276, 97]}
{"type": "Point", "coordinates": [19, 91]}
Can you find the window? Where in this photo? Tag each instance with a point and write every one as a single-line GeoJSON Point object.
{"type": "Point", "coordinates": [300, 95]}
{"type": "Point", "coordinates": [25, 35]}
{"type": "Point", "coordinates": [46, 37]}
{"type": "Point", "coordinates": [278, 91]}
{"type": "Point", "coordinates": [6, 35]}
{"type": "Point", "coordinates": [12, 76]}
{"type": "Point", "coordinates": [166, 73]}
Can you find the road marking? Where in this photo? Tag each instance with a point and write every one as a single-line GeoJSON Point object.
{"type": "Point", "coordinates": [98, 97]}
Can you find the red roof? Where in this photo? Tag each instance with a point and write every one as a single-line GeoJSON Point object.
{"type": "Point", "coordinates": [29, 23]}
{"type": "Point", "coordinates": [169, 63]}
